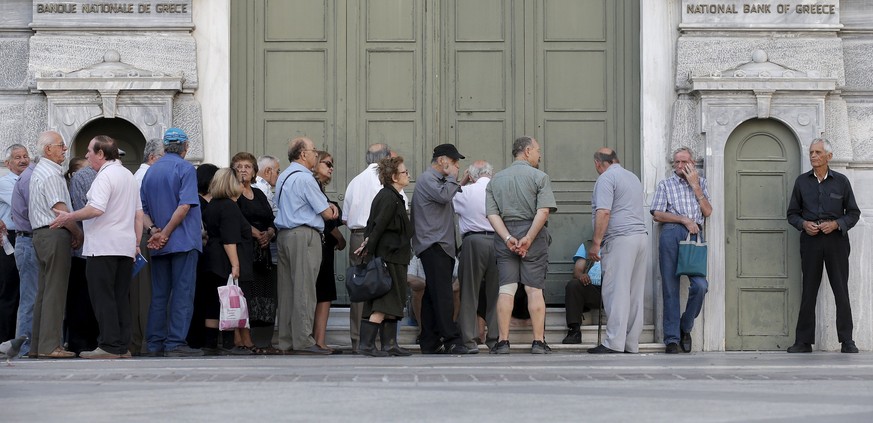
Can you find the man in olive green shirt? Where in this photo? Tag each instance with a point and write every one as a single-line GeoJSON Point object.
{"type": "Point", "coordinates": [518, 202]}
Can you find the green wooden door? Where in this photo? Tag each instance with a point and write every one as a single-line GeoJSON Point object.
{"type": "Point", "coordinates": [762, 271]}
{"type": "Point", "coordinates": [418, 73]}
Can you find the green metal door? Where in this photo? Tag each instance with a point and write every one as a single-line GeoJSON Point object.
{"type": "Point", "coordinates": [762, 271]}
{"type": "Point", "coordinates": [418, 73]}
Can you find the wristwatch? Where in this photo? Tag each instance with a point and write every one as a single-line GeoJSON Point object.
{"type": "Point", "coordinates": [507, 237]}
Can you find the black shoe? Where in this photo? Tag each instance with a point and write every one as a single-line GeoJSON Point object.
{"type": "Point", "coordinates": [601, 349]}
{"type": "Point", "coordinates": [458, 349]}
{"type": "Point", "coordinates": [800, 348]}
{"type": "Point", "coordinates": [501, 347]}
{"type": "Point", "coordinates": [438, 350]}
{"type": "Point", "coordinates": [573, 337]}
{"type": "Point", "coordinates": [316, 350]}
{"type": "Point", "coordinates": [685, 341]}
{"type": "Point", "coordinates": [672, 348]}
{"type": "Point", "coordinates": [539, 347]}
{"type": "Point", "coordinates": [153, 354]}
{"type": "Point", "coordinates": [184, 351]}
{"type": "Point", "coordinates": [849, 347]}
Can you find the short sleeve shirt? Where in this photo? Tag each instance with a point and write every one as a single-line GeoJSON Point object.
{"type": "Point", "coordinates": [581, 253]}
{"type": "Point", "coordinates": [299, 199]}
{"type": "Point", "coordinates": [115, 193]}
{"type": "Point", "coordinates": [170, 182]}
{"type": "Point", "coordinates": [517, 192]}
{"type": "Point", "coordinates": [621, 192]}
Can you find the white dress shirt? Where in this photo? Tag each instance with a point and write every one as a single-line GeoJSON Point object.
{"type": "Point", "coordinates": [267, 189]}
{"type": "Point", "coordinates": [359, 197]}
{"type": "Point", "coordinates": [470, 207]}
{"type": "Point", "coordinates": [140, 173]}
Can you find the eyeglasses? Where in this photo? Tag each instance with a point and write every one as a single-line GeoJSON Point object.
{"type": "Point", "coordinates": [328, 164]}
{"type": "Point", "coordinates": [62, 145]}
{"type": "Point", "coordinates": [406, 172]}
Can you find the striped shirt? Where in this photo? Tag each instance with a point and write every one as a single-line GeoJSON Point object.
{"type": "Point", "coordinates": [674, 195]}
{"type": "Point", "coordinates": [47, 188]}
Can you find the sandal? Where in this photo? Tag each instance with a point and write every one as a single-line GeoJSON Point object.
{"type": "Point", "coordinates": [59, 353]}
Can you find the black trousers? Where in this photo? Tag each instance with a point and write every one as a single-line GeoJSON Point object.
{"type": "Point", "coordinates": [9, 293]}
{"type": "Point", "coordinates": [109, 285]}
{"type": "Point", "coordinates": [578, 299]}
{"type": "Point", "coordinates": [80, 325]}
{"type": "Point", "coordinates": [829, 251]}
{"type": "Point", "coordinates": [437, 305]}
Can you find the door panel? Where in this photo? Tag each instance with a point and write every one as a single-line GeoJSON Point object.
{"type": "Point", "coordinates": [762, 269]}
{"type": "Point", "coordinates": [418, 73]}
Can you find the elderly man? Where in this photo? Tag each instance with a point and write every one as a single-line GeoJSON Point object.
{"type": "Point", "coordinates": [361, 191]}
{"type": "Point", "coordinates": [16, 161]}
{"type": "Point", "coordinates": [620, 241]}
{"type": "Point", "coordinates": [48, 192]}
{"type": "Point", "coordinates": [681, 204]}
{"type": "Point", "coordinates": [141, 286]}
{"type": "Point", "coordinates": [268, 174]}
{"type": "Point", "coordinates": [822, 206]}
{"type": "Point", "coordinates": [112, 220]}
{"type": "Point", "coordinates": [477, 262]}
{"type": "Point", "coordinates": [172, 214]}
{"type": "Point", "coordinates": [519, 201]}
{"type": "Point", "coordinates": [25, 257]}
{"type": "Point", "coordinates": [302, 212]}
{"type": "Point", "coordinates": [434, 243]}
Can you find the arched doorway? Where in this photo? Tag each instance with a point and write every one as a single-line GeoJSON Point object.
{"type": "Point", "coordinates": [762, 265]}
{"type": "Point", "coordinates": [129, 138]}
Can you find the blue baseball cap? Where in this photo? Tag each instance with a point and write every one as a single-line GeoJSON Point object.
{"type": "Point", "coordinates": [175, 135]}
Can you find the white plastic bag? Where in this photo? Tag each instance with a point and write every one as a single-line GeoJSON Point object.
{"type": "Point", "coordinates": [234, 311]}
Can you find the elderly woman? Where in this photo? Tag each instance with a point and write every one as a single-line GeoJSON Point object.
{"type": "Point", "coordinates": [387, 236]}
{"type": "Point", "coordinates": [229, 247]}
{"type": "Point", "coordinates": [260, 291]}
{"type": "Point", "coordinates": [325, 284]}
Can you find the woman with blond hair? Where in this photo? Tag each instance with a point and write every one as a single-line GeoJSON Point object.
{"type": "Point", "coordinates": [228, 250]}
{"type": "Point", "coordinates": [325, 284]}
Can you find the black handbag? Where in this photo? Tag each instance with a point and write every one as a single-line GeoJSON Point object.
{"type": "Point", "coordinates": [368, 281]}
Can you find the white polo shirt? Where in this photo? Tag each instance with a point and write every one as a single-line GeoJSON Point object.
{"type": "Point", "coordinates": [115, 193]}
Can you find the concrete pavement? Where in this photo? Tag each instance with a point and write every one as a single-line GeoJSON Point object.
{"type": "Point", "coordinates": [717, 387]}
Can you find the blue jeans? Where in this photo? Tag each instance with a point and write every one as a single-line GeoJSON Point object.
{"type": "Point", "coordinates": [668, 249]}
{"type": "Point", "coordinates": [173, 280]}
{"type": "Point", "coordinates": [25, 259]}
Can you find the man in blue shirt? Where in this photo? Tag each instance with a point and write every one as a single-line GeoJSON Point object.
{"type": "Point", "coordinates": [302, 212]}
{"type": "Point", "coordinates": [170, 204]}
{"type": "Point", "coordinates": [580, 295]}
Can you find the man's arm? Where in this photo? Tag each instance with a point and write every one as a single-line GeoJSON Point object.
{"type": "Point", "coordinates": [160, 238]}
{"type": "Point", "coordinates": [601, 222]}
{"type": "Point", "coordinates": [538, 222]}
{"type": "Point", "coordinates": [666, 217]}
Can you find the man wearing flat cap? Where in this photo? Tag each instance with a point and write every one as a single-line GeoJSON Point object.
{"type": "Point", "coordinates": [434, 243]}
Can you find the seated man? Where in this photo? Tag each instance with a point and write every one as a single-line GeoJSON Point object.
{"type": "Point", "coordinates": [416, 280]}
{"type": "Point", "coordinates": [580, 296]}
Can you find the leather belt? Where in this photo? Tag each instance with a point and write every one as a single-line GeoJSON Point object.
{"type": "Point", "coordinates": [24, 234]}
{"type": "Point", "coordinates": [477, 233]}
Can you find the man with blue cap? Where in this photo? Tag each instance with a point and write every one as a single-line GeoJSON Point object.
{"type": "Point", "coordinates": [172, 217]}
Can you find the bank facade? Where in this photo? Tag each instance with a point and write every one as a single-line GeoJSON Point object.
{"type": "Point", "coordinates": [747, 85]}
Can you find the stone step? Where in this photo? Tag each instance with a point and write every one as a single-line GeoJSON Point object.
{"type": "Point", "coordinates": [519, 334]}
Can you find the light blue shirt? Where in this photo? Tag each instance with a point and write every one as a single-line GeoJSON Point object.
{"type": "Point", "coordinates": [580, 253]}
{"type": "Point", "coordinates": [299, 199]}
{"type": "Point", "coordinates": [7, 184]}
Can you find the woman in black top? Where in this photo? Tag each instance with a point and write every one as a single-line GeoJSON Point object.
{"type": "Point", "coordinates": [229, 247]}
{"type": "Point", "coordinates": [261, 289]}
{"type": "Point", "coordinates": [325, 284]}
{"type": "Point", "coordinates": [203, 332]}
{"type": "Point", "coordinates": [387, 236]}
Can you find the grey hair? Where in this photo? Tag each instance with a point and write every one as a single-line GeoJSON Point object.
{"type": "Point", "coordinates": [176, 147]}
{"type": "Point", "coordinates": [45, 139]}
{"type": "Point", "coordinates": [520, 144]}
{"type": "Point", "coordinates": [828, 147]}
{"type": "Point", "coordinates": [377, 152]}
{"type": "Point", "coordinates": [12, 148]}
{"type": "Point", "coordinates": [479, 169]}
{"type": "Point", "coordinates": [153, 147]}
{"type": "Point", "coordinates": [681, 149]}
{"type": "Point", "coordinates": [266, 161]}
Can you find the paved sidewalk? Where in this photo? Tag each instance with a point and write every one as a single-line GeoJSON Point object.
{"type": "Point", "coordinates": [718, 387]}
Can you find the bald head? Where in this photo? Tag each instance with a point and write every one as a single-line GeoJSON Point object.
{"type": "Point", "coordinates": [377, 152]}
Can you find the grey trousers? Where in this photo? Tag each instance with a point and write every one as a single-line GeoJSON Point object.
{"type": "Point", "coordinates": [299, 260]}
{"type": "Point", "coordinates": [624, 262]}
{"type": "Point", "coordinates": [53, 253]}
{"type": "Point", "coordinates": [477, 264]}
{"type": "Point", "coordinates": [356, 310]}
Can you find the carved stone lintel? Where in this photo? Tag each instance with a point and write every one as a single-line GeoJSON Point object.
{"type": "Point", "coordinates": [763, 99]}
{"type": "Point", "coordinates": [110, 98]}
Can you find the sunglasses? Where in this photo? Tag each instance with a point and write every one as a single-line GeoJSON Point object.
{"type": "Point", "coordinates": [328, 164]}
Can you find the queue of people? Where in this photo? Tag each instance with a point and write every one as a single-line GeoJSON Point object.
{"type": "Point", "coordinates": [276, 233]}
